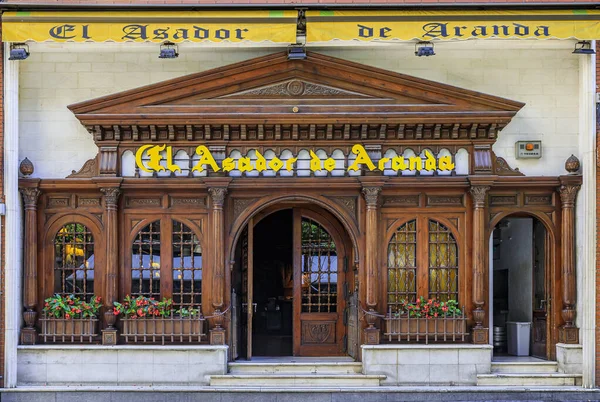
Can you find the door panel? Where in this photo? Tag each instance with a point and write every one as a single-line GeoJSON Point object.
{"type": "Point", "coordinates": [540, 292]}
{"type": "Point", "coordinates": [318, 285]}
{"type": "Point", "coordinates": [249, 261]}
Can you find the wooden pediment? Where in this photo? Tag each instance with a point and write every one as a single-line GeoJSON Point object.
{"type": "Point", "coordinates": [318, 90]}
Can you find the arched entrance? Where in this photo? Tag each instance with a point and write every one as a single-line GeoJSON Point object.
{"type": "Point", "coordinates": [521, 287]}
{"type": "Point", "coordinates": [291, 284]}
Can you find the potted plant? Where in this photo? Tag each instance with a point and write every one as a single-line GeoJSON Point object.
{"type": "Point", "coordinates": [425, 320]}
{"type": "Point", "coordinates": [68, 318]}
{"type": "Point", "coordinates": [145, 319]}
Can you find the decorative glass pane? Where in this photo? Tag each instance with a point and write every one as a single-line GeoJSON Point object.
{"type": "Point", "coordinates": [402, 260]}
{"type": "Point", "coordinates": [74, 261]}
{"type": "Point", "coordinates": [443, 263]}
{"type": "Point", "coordinates": [319, 269]}
{"type": "Point", "coordinates": [187, 267]}
{"type": "Point", "coordinates": [145, 262]}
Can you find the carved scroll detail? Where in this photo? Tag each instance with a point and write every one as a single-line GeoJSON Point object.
{"type": "Point", "coordinates": [503, 168]}
{"type": "Point", "coordinates": [89, 169]}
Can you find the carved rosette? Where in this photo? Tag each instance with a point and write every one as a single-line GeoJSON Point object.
{"type": "Point", "coordinates": [111, 196]}
{"type": "Point", "coordinates": [217, 194]}
{"type": "Point", "coordinates": [568, 194]}
{"type": "Point", "coordinates": [30, 196]}
{"type": "Point", "coordinates": [371, 195]}
{"type": "Point", "coordinates": [479, 193]}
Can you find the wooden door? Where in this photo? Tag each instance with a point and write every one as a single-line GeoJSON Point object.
{"type": "Point", "coordinates": [248, 303]}
{"type": "Point", "coordinates": [319, 280]}
{"type": "Point", "coordinates": [540, 335]}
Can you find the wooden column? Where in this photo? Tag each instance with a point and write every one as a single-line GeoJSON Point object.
{"type": "Point", "coordinates": [111, 197]}
{"type": "Point", "coordinates": [217, 194]}
{"type": "Point", "coordinates": [480, 333]}
{"type": "Point", "coordinates": [568, 333]}
{"type": "Point", "coordinates": [371, 194]}
{"type": "Point", "coordinates": [30, 299]}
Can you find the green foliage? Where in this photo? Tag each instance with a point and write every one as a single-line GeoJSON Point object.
{"type": "Point", "coordinates": [430, 308]}
{"type": "Point", "coordinates": [143, 306]}
{"type": "Point", "coordinates": [69, 306]}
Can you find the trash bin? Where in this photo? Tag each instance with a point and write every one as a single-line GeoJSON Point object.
{"type": "Point", "coordinates": [518, 334]}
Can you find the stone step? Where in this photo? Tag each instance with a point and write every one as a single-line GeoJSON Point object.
{"type": "Point", "coordinates": [524, 367]}
{"type": "Point", "coordinates": [295, 368]}
{"type": "Point", "coordinates": [529, 379]}
{"type": "Point", "coordinates": [296, 380]}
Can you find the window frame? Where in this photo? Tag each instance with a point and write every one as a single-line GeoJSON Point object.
{"type": "Point", "coordinates": [136, 222]}
{"type": "Point", "coordinates": [422, 252]}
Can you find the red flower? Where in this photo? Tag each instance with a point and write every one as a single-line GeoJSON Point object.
{"type": "Point", "coordinates": [138, 303]}
{"type": "Point", "coordinates": [445, 308]}
{"type": "Point", "coordinates": [71, 302]}
{"type": "Point", "coordinates": [435, 314]}
{"type": "Point", "coordinates": [67, 315]}
{"type": "Point", "coordinates": [47, 304]}
{"type": "Point", "coordinates": [140, 312]}
{"type": "Point", "coordinates": [115, 311]}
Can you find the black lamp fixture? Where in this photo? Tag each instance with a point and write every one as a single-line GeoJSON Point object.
{"type": "Point", "coordinates": [18, 51]}
{"type": "Point", "coordinates": [424, 49]}
{"type": "Point", "coordinates": [296, 52]}
{"type": "Point", "coordinates": [583, 47]}
{"type": "Point", "coordinates": [168, 50]}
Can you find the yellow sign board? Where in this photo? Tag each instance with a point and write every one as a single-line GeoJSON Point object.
{"type": "Point", "coordinates": [158, 158]}
{"type": "Point", "coordinates": [193, 26]}
{"type": "Point", "coordinates": [325, 25]}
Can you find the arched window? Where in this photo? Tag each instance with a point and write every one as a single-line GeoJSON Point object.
{"type": "Point", "coordinates": [187, 267]}
{"type": "Point", "coordinates": [178, 274]}
{"type": "Point", "coordinates": [145, 262]}
{"type": "Point", "coordinates": [422, 260]}
{"type": "Point", "coordinates": [402, 265]}
{"type": "Point", "coordinates": [74, 261]}
{"type": "Point", "coordinates": [319, 269]}
{"type": "Point", "coordinates": [443, 263]}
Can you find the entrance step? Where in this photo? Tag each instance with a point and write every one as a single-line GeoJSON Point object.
{"type": "Point", "coordinates": [529, 379]}
{"type": "Point", "coordinates": [296, 380]}
{"type": "Point", "coordinates": [525, 367]}
{"type": "Point", "coordinates": [295, 368]}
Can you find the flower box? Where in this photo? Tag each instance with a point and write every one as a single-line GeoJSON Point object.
{"type": "Point", "coordinates": [170, 329]}
{"type": "Point", "coordinates": [69, 329]}
{"type": "Point", "coordinates": [440, 329]}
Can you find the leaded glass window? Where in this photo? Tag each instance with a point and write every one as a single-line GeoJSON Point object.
{"type": "Point", "coordinates": [319, 269]}
{"type": "Point", "coordinates": [145, 262]}
{"type": "Point", "coordinates": [443, 263]}
{"type": "Point", "coordinates": [187, 267]}
{"type": "Point", "coordinates": [74, 261]}
{"type": "Point", "coordinates": [402, 265]}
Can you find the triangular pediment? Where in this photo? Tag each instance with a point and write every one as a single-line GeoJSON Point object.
{"type": "Point", "coordinates": [275, 90]}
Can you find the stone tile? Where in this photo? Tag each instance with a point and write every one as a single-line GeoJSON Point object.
{"type": "Point", "coordinates": [204, 397]}
{"type": "Point", "coordinates": [135, 357]}
{"type": "Point", "coordinates": [248, 397]}
{"type": "Point", "coordinates": [163, 374]}
{"type": "Point", "coordinates": [443, 356]}
{"type": "Point", "coordinates": [29, 397]}
{"type": "Point", "coordinates": [414, 356]}
{"type": "Point", "coordinates": [99, 356]}
{"type": "Point", "coordinates": [467, 374]}
{"type": "Point", "coordinates": [31, 374]}
{"type": "Point", "coordinates": [389, 370]}
{"type": "Point", "coordinates": [135, 374]}
{"type": "Point", "coordinates": [31, 356]}
{"type": "Point", "coordinates": [474, 356]}
{"type": "Point", "coordinates": [484, 368]}
{"type": "Point", "coordinates": [207, 357]}
{"type": "Point", "coordinates": [443, 374]}
{"type": "Point", "coordinates": [63, 356]}
{"type": "Point", "coordinates": [357, 397]}
{"type": "Point", "coordinates": [61, 373]}
{"type": "Point", "coordinates": [149, 396]}
{"type": "Point", "coordinates": [82, 396]}
{"type": "Point", "coordinates": [100, 373]}
{"type": "Point", "coordinates": [199, 374]}
{"type": "Point", "coordinates": [415, 374]}
{"type": "Point", "coordinates": [380, 356]}
{"type": "Point", "coordinates": [304, 397]}
{"type": "Point", "coordinates": [170, 357]}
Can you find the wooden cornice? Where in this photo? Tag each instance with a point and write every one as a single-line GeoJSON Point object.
{"type": "Point", "coordinates": [272, 91]}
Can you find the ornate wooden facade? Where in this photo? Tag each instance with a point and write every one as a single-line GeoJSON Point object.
{"type": "Point", "coordinates": [275, 105]}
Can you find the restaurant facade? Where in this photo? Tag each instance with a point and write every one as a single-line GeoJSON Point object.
{"type": "Point", "coordinates": [300, 198]}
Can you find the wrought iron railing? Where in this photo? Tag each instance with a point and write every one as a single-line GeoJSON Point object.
{"type": "Point", "coordinates": [404, 328]}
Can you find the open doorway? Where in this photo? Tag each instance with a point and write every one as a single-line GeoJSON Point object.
{"type": "Point", "coordinates": [520, 288]}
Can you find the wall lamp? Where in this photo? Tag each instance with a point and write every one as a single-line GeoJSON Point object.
{"type": "Point", "coordinates": [424, 49]}
{"type": "Point", "coordinates": [583, 47]}
{"type": "Point", "coordinates": [296, 52]}
{"type": "Point", "coordinates": [18, 51]}
{"type": "Point", "coordinates": [168, 50]}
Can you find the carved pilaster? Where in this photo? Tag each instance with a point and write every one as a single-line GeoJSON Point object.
{"type": "Point", "coordinates": [111, 197]}
{"type": "Point", "coordinates": [479, 195]}
{"type": "Point", "coordinates": [568, 333]}
{"type": "Point", "coordinates": [372, 198]}
{"type": "Point", "coordinates": [30, 199]}
{"type": "Point", "coordinates": [217, 195]}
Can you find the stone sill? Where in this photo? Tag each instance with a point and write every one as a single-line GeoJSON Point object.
{"type": "Point", "coordinates": [122, 347]}
{"type": "Point", "coordinates": [431, 346]}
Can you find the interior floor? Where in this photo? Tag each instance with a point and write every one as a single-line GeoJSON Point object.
{"type": "Point", "coordinates": [273, 285]}
{"type": "Point", "coordinates": [299, 359]}
{"type": "Point", "coordinates": [516, 359]}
